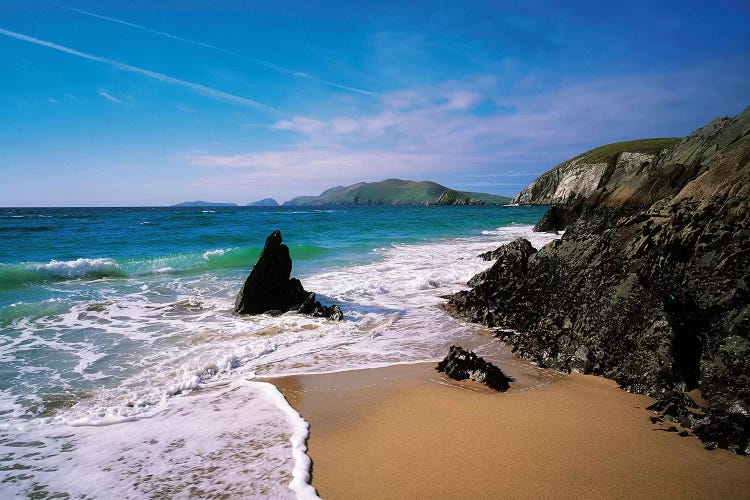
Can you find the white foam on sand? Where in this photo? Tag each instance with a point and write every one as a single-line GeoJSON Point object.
{"type": "Point", "coordinates": [173, 408]}
{"type": "Point", "coordinates": [241, 440]}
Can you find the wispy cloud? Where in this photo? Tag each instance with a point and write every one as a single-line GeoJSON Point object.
{"type": "Point", "coordinates": [195, 87]}
{"type": "Point", "coordinates": [262, 62]}
{"type": "Point", "coordinates": [184, 108]}
{"type": "Point", "coordinates": [442, 132]}
{"type": "Point", "coordinates": [109, 97]}
{"type": "Point", "coordinates": [52, 100]}
{"type": "Point", "coordinates": [329, 166]}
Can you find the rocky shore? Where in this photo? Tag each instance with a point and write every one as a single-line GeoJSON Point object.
{"type": "Point", "coordinates": [650, 283]}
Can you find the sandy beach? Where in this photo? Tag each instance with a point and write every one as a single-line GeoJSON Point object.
{"type": "Point", "coordinates": [407, 432]}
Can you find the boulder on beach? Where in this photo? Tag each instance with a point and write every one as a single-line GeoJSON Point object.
{"type": "Point", "coordinates": [269, 288]}
{"type": "Point", "coordinates": [461, 364]}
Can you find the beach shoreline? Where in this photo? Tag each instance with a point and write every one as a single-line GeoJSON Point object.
{"type": "Point", "coordinates": [406, 431]}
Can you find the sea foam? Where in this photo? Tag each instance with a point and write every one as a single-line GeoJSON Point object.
{"type": "Point", "coordinates": [177, 360]}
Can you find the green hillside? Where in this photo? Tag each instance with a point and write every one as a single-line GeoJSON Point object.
{"type": "Point", "coordinates": [387, 192]}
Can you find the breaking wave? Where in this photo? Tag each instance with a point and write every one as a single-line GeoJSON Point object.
{"type": "Point", "coordinates": [19, 275]}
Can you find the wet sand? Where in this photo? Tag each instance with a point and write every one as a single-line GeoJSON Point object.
{"type": "Point", "coordinates": [407, 432]}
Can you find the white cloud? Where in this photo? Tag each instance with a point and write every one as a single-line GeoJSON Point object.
{"type": "Point", "coordinates": [302, 124]}
{"type": "Point", "coordinates": [109, 97]}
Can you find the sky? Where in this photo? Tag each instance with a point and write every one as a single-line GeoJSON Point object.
{"type": "Point", "coordinates": [143, 103]}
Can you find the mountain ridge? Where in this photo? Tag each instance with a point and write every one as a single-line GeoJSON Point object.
{"type": "Point", "coordinates": [394, 192]}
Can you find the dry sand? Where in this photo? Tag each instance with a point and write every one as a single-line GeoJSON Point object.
{"type": "Point", "coordinates": [407, 432]}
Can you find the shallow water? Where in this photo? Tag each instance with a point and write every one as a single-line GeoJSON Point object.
{"type": "Point", "coordinates": [123, 364]}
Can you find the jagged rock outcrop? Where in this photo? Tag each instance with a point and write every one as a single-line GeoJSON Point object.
{"type": "Point", "coordinates": [269, 288]}
{"type": "Point", "coordinates": [649, 285]}
{"type": "Point", "coordinates": [461, 364]}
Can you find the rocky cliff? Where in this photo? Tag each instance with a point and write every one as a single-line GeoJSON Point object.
{"type": "Point", "coordinates": [605, 167]}
{"type": "Point", "coordinates": [649, 285]}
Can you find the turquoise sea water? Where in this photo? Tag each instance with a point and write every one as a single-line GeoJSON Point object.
{"type": "Point", "coordinates": [117, 324]}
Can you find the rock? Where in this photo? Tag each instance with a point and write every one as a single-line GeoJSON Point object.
{"type": "Point", "coordinates": [558, 217]}
{"type": "Point", "coordinates": [513, 255]}
{"type": "Point", "coordinates": [461, 365]}
{"type": "Point", "coordinates": [725, 430]}
{"type": "Point", "coordinates": [649, 286]}
{"type": "Point", "coordinates": [269, 288]}
{"type": "Point", "coordinates": [313, 308]}
{"type": "Point", "coordinates": [673, 406]}
{"type": "Point", "coordinates": [520, 248]}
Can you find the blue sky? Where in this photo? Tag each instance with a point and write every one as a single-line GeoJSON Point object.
{"type": "Point", "coordinates": [151, 103]}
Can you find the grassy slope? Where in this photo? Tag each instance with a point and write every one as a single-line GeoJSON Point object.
{"type": "Point", "coordinates": [605, 153]}
{"type": "Point", "coordinates": [390, 191]}
{"type": "Point", "coordinates": [387, 192]}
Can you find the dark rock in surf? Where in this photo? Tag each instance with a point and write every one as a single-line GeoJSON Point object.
{"type": "Point", "coordinates": [520, 247]}
{"type": "Point", "coordinates": [312, 307]}
{"type": "Point", "coordinates": [461, 364]}
{"type": "Point", "coordinates": [269, 288]}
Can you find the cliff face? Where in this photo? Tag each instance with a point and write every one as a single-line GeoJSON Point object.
{"type": "Point", "coordinates": [605, 167]}
{"type": "Point", "coordinates": [649, 285]}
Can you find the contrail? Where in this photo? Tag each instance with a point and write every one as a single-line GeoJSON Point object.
{"type": "Point", "coordinates": [262, 62]}
{"type": "Point", "coordinates": [196, 87]}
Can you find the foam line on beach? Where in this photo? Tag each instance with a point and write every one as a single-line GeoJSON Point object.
{"type": "Point", "coordinates": [300, 483]}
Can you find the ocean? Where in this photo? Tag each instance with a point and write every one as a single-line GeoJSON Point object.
{"type": "Point", "coordinates": [124, 372]}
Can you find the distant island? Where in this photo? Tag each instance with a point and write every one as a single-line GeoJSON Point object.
{"type": "Point", "coordinates": [265, 202]}
{"type": "Point", "coordinates": [396, 192]}
{"type": "Point", "coordinates": [200, 203]}
{"type": "Point", "coordinates": [386, 192]}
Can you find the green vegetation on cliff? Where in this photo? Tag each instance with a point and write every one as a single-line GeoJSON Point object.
{"type": "Point", "coordinates": [604, 154]}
